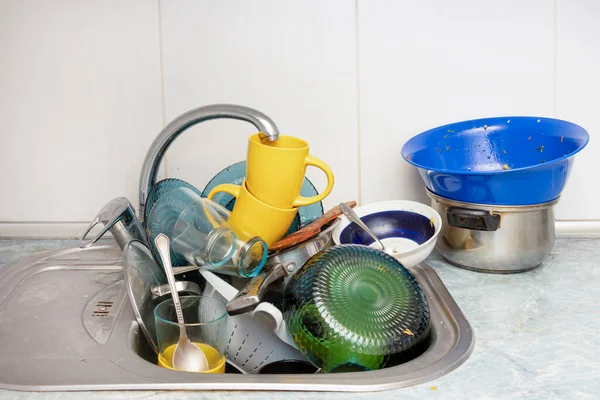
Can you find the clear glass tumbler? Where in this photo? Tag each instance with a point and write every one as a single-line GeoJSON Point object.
{"type": "Point", "coordinates": [203, 237]}
{"type": "Point", "coordinates": [206, 326]}
{"type": "Point", "coordinates": [200, 235]}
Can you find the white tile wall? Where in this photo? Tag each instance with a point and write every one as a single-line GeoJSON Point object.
{"type": "Point", "coordinates": [428, 63]}
{"type": "Point", "coordinates": [83, 85]}
{"type": "Point", "coordinates": [578, 49]}
{"type": "Point", "coordinates": [293, 60]}
{"type": "Point", "coordinates": [79, 104]}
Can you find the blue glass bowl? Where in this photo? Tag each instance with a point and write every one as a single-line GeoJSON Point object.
{"type": "Point", "coordinates": [163, 216]}
{"type": "Point", "coordinates": [162, 187]}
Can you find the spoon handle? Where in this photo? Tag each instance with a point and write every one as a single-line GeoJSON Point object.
{"type": "Point", "coordinates": [162, 244]}
{"type": "Point", "coordinates": [351, 215]}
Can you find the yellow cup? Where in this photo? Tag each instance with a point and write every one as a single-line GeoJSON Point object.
{"type": "Point", "coordinates": [212, 356]}
{"type": "Point", "coordinates": [251, 217]}
{"type": "Point", "coordinates": [275, 171]}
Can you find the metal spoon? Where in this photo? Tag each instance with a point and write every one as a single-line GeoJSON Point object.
{"type": "Point", "coordinates": [351, 215]}
{"type": "Point", "coordinates": [186, 356]}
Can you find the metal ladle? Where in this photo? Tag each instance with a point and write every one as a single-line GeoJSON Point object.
{"type": "Point", "coordinates": [351, 215]}
{"type": "Point", "coordinates": [186, 356]}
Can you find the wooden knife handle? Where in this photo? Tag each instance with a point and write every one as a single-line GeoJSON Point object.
{"type": "Point", "coordinates": [309, 230]}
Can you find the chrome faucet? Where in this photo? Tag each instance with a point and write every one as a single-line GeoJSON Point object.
{"type": "Point", "coordinates": [267, 128]}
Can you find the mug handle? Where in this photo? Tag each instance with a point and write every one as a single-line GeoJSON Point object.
{"type": "Point", "coordinates": [316, 162]}
{"type": "Point", "coordinates": [228, 188]}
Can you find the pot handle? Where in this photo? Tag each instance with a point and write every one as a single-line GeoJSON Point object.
{"type": "Point", "coordinates": [467, 218]}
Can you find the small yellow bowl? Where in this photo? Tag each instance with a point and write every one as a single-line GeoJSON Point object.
{"type": "Point", "coordinates": [212, 356]}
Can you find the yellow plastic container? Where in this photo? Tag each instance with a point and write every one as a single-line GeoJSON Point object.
{"type": "Point", "coordinates": [212, 355]}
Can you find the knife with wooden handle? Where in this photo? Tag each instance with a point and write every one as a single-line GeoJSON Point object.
{"type": "Point", "coordinates": [309, 230]}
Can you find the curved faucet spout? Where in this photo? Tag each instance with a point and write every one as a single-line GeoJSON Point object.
{"type": "Point", "coordinates": [267, 128]}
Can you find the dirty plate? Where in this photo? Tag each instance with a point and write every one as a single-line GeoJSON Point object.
{"type": "Point", "coordinates": [409, 228]}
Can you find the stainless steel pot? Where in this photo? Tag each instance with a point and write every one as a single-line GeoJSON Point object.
{"type": "Point", "coordinates": [497, 239]}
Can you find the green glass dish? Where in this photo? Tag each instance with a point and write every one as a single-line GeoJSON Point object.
{"type": "Point", "coordinates": [355, 308]}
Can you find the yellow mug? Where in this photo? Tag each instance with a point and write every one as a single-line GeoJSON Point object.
{"type": "Point", "coordinates": [275, 171]}
{"type": "Point", "coordinates": [251, 217]}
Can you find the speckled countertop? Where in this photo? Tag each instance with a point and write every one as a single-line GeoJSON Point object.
{"type": "Point", "coordinates": [536, 333]}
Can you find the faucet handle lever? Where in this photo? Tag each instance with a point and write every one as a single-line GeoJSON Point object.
{"type": "Point", "coordinates": [98, 236]}
{"type": "Point", "coordinates": [118, 217]}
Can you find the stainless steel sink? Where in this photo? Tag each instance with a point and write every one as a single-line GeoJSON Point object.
{"type": "Point", "coordinates": [66, 325]}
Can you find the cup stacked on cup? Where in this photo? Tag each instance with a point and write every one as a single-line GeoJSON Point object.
{"type": "Point", "coordinates": [267, 201]}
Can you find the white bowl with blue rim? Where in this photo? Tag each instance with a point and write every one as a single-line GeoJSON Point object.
{"type": "Point", "coordinates": [408, 227]}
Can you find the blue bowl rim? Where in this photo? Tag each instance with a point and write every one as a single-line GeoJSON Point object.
{"type": "Point", "coordinates": [391, 205]}
{"type": "Point", "coordinates": [508, 171]}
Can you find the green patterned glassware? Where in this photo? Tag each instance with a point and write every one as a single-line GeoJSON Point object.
{"type": "Point", "coordinates": [352, 308]}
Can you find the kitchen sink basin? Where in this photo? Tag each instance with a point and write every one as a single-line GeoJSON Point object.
{"type": "Point", "coordinates": [67, 325]}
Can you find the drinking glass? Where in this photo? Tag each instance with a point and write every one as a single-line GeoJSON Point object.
{"type": "Point", "coordinates": [206, 326]}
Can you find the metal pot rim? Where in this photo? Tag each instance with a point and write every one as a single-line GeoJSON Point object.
{"type": "Point", "coordinates": [490, 207]}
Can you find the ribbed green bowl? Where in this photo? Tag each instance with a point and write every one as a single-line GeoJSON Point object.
{"type": "Point", "coordinates": [351, 307]}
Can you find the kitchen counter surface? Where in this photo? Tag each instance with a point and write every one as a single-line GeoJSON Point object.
{"type": "Point", "coordinates": [535, 333]}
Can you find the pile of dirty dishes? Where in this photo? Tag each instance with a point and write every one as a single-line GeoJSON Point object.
{"type": "Point", "coordinates": [340, 307]}
{"type": "Point", "coordinates": [248, 342]}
